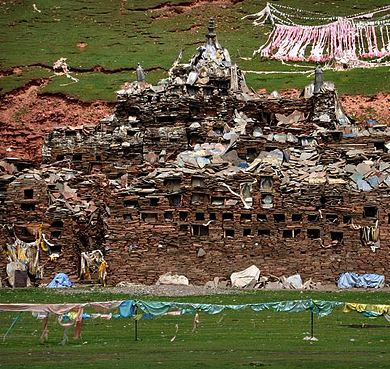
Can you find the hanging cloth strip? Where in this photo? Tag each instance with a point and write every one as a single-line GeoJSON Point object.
{"type": "Point", "coordinates": [368, 310]}
{"type": "Point", "coordinates": [196, 323]}
{"type": "Point", "coordinates": [90, 261]}
{"type": "Point", "coordinates": [344, 37]}
{"type": "Point", "coordinates": [45, 331]}
{"type": "Point", "coordinates": [58, 308]}
{"type": "Point", "coordinates": [66, 326]}
{"type": "Point", "coordinates": [318, 307]}
{"type": "Point", "coordinates": [79, 324]}
{"type": "Point", "coordinates": [127, 308]}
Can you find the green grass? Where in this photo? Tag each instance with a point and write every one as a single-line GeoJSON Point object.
{"type": "Point", "coordinates": [241, 339]}
{"type": "Point", "coordinates": [11, 82]}
{"type": "Point", "coordinates": [352, 82]}
{"type": "Point", "coordinates": [121, 34]}
{"type": "Point", "coordinates": [94, 86]}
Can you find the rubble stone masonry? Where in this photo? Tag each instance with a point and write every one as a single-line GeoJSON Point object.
{"type": "Point", "coordinates": [200, 176]}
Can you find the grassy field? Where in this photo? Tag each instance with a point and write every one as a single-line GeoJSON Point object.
{"type": "Point", "coordinates": [243, 339]}
{"type": "Point", "coordinates": [119, 34]}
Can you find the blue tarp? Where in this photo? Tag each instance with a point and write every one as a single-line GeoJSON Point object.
{"type": "Point", "coordinates": [350, 280]}
{"type": "Point", "coordinates": [127, 308]}
{"type": "Point", "coordinates": [59, 281]}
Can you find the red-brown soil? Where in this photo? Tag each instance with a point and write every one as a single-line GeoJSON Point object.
{"type": "Point", "coordinates": [25, 117]}
{"type": "Point", "coordinates": [375, 107]}
{"type": "Point", "coordinates": [361, 108]}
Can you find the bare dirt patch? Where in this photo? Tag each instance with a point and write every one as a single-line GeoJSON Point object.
{"type": "Point", "coordinates": [188, 6]}
{"type": "Point", "coordinates": [25, 117]}
{"type": "Point", "coordinates": [155, 290]}
{"type": "Point", "coordinates": [175, 290]}
{"type": "Point", "coordinates": [361, 108]}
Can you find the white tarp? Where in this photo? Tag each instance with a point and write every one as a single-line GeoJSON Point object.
{"type": "Point", "coordinates": [169, 278]}
{"type": "Point", "coordinates": [245, 277]}
{"type": "Point", "coordinates": [12, 266]}
{"type": "Point", "coordinates": [294, 281]}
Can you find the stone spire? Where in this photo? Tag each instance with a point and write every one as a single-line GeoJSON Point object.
{"type": "Point", "coordinates": [140, 74]}
{"type": "Point", "coordinates": [318, 80]}
{"type": "Point", "coordinates": [211, 36]}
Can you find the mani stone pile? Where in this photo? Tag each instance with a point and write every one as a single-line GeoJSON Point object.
{"type": "Point", "coordinates": [202, 177]}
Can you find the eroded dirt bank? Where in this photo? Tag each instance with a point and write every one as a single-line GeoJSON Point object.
{"type": "Point", "coordinates": [375, 107]}
{"type": "Point", "coordinates": [25, 117]}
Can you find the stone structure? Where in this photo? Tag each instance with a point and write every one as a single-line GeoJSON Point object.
{"type": "Point", "coordinates": [201, 176]}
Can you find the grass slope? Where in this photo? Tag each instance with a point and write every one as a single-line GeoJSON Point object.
{"type": "Point", "coordinates": [119, 34]}
{"type": "Point", "coordinates": [241, 339]}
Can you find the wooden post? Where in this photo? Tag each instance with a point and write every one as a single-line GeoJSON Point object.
{"type": "Point", "coordinates": [312, 324]}
{"type": "Point", "coordinates": [135, 324]}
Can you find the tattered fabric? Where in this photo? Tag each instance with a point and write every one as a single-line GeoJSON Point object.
{"type": "Point", "coordinates": [369, 310]}
{"type": "Point", "coordinates": [318, 307]}
{"type": "Point", "coordinates": [58, 308]}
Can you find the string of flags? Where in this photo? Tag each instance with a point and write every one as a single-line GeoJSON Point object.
{"type": "Point", "coordinates": [73, 314]}
{"type": "Point", "coordinates": [361, 35]}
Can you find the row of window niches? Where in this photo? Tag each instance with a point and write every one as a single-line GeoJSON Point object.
{"type": "Point", "coordinates": [183, 215]}
{"type": "Point", "coordinates": [276, 218]}
{"type": "Point", "coordinates": [311, 233]}
{"type": "Point", "coordinates": [74, 157]}
{"type": "Point", "coordinates": [369, 212]}
{"type": "Point", "coordinates": [168, 216]}
{"type": "Point", "coordinates": [202, 230]}
{"type": "Point", "coordinates": [245, 217]}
